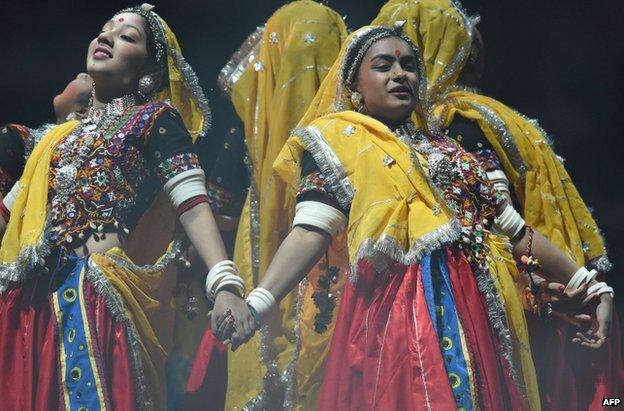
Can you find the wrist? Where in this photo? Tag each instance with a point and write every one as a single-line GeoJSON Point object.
{"type": "Point", "coordinates": [261, 303]}
{"type": "Point", "coordinates": [224, 276]}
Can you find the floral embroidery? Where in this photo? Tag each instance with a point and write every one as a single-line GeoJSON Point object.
{"type": "Point", "coordinates": [488, 159]}
{"type": "Point", "coordinates": [176, 164]}
{"type": "Point", "coordinates": [113, 180]}
{"type": "Point", "coordinates": [223, 201]}
{"type": "Point", "coordinates": [314, 181]}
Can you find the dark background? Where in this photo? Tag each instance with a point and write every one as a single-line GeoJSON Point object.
{"type": "Point", "coordinates": [557, 61]}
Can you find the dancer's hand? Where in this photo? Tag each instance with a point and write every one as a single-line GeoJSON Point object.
{"type": "Point", "coordinates": [597, 334]}
{"type": "Point", "coordinates": [566, 304]}
{"type": "Point", "coordinates": [231, 320]}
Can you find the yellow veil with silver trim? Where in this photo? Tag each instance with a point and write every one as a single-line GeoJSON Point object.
{"type": "Point", "coordinates": [271, 81]}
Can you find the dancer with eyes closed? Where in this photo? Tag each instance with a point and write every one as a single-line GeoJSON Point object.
{"type": "Point", "coordinates": [81, 325]}
{"type": "Point", "coordinates": [421, 324]}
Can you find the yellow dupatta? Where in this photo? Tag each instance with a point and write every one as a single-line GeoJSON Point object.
{"type": "Point", "coordinates": [278, 81]}
{"type": "Point", "coordinates": [548, 198]}
{"type": "Point", "coordinates": [351, 149]}
{"type": "Point", "coordinates": [137, 297]}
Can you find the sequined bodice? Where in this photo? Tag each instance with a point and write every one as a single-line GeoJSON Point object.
{"type": "Point", "coordinates": [462, 182]}
{"type": "Point", "coordinates": [114, 182]}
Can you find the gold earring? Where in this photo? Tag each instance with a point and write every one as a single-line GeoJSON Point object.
{"type": "Point", "coordinates": [357, 100]}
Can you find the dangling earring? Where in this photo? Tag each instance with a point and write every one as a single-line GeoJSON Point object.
{"type": "Point", "coordinates": [357, 100]}
{"type": "Point", "coordinates": [146, 87]}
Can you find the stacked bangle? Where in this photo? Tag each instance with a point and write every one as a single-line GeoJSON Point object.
{"type": "Point", "coordinates": [224, 274]}
{"type": "Point", "coordinates": [510, 222]}
{"type": "Point", "coordinates": [584, 276]}
{"type": "Point", "coordinates": [260, 301]}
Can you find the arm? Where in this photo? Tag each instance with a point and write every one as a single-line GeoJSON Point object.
{"type": "Point", "coordinates": [169, 150]}
{"type": "Point", "coordinates": [556, 266]}
{"type": "Point", "coordinates": [296, 256]}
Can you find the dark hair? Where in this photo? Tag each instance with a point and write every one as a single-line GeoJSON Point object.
{"type": "Point", "coordinates": [156, 46]}
{"type": "Point", "coordinates": [358, 48]}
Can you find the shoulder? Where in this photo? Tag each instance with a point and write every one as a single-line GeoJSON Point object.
{"type": "Point", "coordinates": [154, 110]}
{"type": "Point", "coordinates": [154, 115]}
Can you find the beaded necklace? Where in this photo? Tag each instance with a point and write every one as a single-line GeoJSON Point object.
{"type": "Point", "coordinates": [78, 145]}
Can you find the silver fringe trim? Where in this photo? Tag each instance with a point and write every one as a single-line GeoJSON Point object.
{"type": "Point", "coordinates": [30, 261]}
{"type": "Point", "coordinates": [271, 386]}
{"type": "Point", "coordinates": [163, 262]}
{"type": "Point", "coordinates": [602, 264]}
{"type": "Point", "coordinates": [117, 308]}
{"type": "Point", "coordinates": [192, 83]}
{"type": "Point", "coordinates": [387, 250]}
{"type": "Point", "coordinates": [245, 55]}
{"type": "Point", "coordinates": [35, 137]}
{"type": "Point", "coordinates": [289, 378]}
{"type": "Point", "coordinates": [498, 320]}
{"type": "Point", "coordinates": [504, 136]}
{"type": "Point", "coordinates": [328, 163]}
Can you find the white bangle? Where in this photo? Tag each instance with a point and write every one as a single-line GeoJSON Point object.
{"type": "Point", "coordinates": [499, 181]}
{"type": "Point", "coordinates": [582, 276]}
{"type": "Point", "coordinates": [224, 273]}
{"type": "Point", "coordinates": [600, 288]}
{"type": "Point", "coordinates": [510, 222]}
{"type": "Point", "coordinates": [188, 184]}
{"type": "Point", "coordinates": [320, 215]}
{"type": "Point", "coordinates": [261, 300]}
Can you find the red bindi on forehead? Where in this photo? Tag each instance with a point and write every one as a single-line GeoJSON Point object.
{"type": "Point", "coordinates": [121, 19]}
{"type": "Point", "coordinates": [397, 53]}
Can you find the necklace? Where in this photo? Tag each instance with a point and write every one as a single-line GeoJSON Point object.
{"type": "Point", "coordinates": [78, 145]}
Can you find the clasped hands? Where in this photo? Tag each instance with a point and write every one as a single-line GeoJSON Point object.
{"type": "Point", "coordinates": [573, 306]}
{"type": "Point", "coordinates": [231, 319]}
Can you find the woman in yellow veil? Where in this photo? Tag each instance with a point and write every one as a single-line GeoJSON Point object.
{"type": "Point", "coordinates": [421, 323]}
{"type": "Point", "coordinates": [83, 326]}
{"type": "Point", "coordinates": [516, 153]}
{"type": "Point", "coordinates": [271, 80]}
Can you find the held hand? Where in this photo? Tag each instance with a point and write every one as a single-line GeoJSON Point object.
{"type": "Point", "coordinates": [566, 304]}
{"type": "Point", "coordinates": [597, 334]}
{"type": "Point", "coordinates": [231, 319]}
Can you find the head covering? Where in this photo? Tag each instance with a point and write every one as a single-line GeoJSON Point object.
{"type": "Point", "coordinates": [393, 232]}
{"type": "Point", "coordinates": [549, 200]}
{"type": "Point", "coordinates": [334, 94]}
{"type": "Point", "coordinates": [271, 80]}
{"type": "Point", "coordinates": [182, 91]}
{"type": "Point", "coordinates": [443, 30]}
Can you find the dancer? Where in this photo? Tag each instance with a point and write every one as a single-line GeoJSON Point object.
{"type": "Point", "coordinates": [422, 310]}
{"type": "Point", "coordinates": [82, 327]}
{"type": "Point", "coordinates": [519, 159]}
{"type": "Point", "coordinates": [270, 80]}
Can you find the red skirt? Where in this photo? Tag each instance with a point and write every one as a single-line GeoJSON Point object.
{"type": "Point", "coordinates": [29, 349]}
{"type": "Point", "coordinates": [385, 353]}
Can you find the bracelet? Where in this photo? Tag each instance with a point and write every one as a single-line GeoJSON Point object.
{"type": "Point", "coordinates": [529, 265]}
{"type": "Point", "coordinates": [221, 275]}
{"type": "Point", "coordinates": [582, 276]}
{"type": "Point", "coordinates": [510, 222]}
{"type": "Point", "coordinates": [600, 288]}
{"type": "Point", "coordinates": [261, 301]}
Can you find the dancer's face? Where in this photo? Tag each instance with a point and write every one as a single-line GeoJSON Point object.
{"type": "Point", "coordinates": [74, 98]}
{"type": "Point", "coordinates": [388, 80]}
{"type": "Point", "coordinates": [119, 52]}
